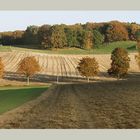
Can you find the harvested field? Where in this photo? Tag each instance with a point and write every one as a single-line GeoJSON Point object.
{"type": "Point", "coordinates": [59, 65]}
{"type": "Point", "coordinates": [108, 104]}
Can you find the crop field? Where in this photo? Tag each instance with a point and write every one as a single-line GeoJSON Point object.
{"type": "Point", "coordinates": [59, 65]}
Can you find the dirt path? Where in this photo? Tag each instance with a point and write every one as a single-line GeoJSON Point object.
{"type": "Point", "coordinates": [62, 108]}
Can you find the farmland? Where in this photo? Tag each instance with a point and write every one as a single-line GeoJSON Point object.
{"type": "Point", "coordinates": [59, 65]}
{"type": "Point", "coordinates": [71, 103]}
{"type": "Point", "coordinates": [106, 104]}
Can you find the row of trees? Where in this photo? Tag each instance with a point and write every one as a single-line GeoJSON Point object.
{"type": "Point", "coordinates": [87, 35]}
{"type": "Point", "coordinates": [87, 67]}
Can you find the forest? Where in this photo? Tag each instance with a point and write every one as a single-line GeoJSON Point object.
{"type": "Point", "coordinates": [85, 36]}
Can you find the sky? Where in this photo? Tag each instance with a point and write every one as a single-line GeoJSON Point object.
{"type": "Point", "coordinates": [19, 20]}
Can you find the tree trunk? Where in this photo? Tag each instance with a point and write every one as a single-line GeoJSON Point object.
{"type": "Point", "coordinates": [28, 80]}
{"type": "Point", "coordinates": [118, 77]}
{"type": "Point", "coordinates": [88, 79]}
{"type": "Point", "coordinates": [57, 79]}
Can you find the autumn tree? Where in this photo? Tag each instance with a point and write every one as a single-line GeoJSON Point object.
{"type": "Point", "coordinates": [58, 37]}
{"type": "Point", "coordinates": [88, 67]}
{"type": "Point", "coordinates": [88, 40]}
{"type": "Point", "coordinates": [116, 31]}
{"type": "Point", "coordinates": [44, 36]}
{"type": "Point", "coordinates": [1, 68]}
{"type": "Point", "coordinates": [120, 62]}
{"type": "Point", "coordinates": [29, 66]}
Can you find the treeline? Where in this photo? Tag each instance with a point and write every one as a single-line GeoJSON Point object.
{"type": "Point", "coordinates": [86, 36]}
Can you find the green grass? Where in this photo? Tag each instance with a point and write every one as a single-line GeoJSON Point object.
{"type": "Point", "coordinates": [12, 97]}
{"type": "Point", "coordinates": [102, 49]}
{"type": "Point", "coordinates": [5, 48]}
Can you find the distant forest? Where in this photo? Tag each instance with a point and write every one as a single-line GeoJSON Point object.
{"type": "Point", "coordinates": [85, 36]}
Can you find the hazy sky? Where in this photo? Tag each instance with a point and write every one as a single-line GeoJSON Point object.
{"type": "Point", "coordinates": [19, 20]}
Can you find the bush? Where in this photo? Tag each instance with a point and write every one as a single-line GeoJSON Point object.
{"type": "Point", "coordinates": [88, 67]}
{"type": "Point", "coordinates": [120, 63]}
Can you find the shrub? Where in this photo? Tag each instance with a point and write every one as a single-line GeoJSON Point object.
{"type": "Point", "coordinates": [88, 67]}
{"type": "Point", "coordinates": [120, 63]}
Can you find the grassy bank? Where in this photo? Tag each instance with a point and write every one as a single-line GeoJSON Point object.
{"type": "Point", "coordinates": [12, 97]}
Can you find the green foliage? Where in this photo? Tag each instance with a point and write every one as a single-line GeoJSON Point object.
{"type": "Point", "coordinates": [98, 38]}
{"type": "Point", "coordinates": [71, 35]}
{"type": "Point", "coordinates": [137, 35]}
{"type": "Point", "coordinates": [31, 35]}
{"type": "Point", "coordinates": [44, 36]}
{"type": "Point", "coordinates": [120, 62]}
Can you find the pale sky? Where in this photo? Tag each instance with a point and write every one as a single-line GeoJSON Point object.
{"type": "Point", "coordinates": [19, 20]}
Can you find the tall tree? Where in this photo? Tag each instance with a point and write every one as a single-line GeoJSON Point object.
{"type": "Point", "coordinates": [31, 35]}
{"type": "Point", "coordinates": [58, 37]}
{"type": "Point", "coordinates": [120, 62]}
{"type": "Point", "coordinates": [98, 38]}
{"type": "Point", "coordinates": [44, 36]}
{"type": "Point", "coordinates": [88, 40]}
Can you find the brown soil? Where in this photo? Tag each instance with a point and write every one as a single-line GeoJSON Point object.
{"type": "Point", "coordinates": [106, 104]}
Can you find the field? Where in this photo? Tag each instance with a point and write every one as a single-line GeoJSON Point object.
{"type": "Point", "coordinates": [106, 104]}
{"type": "Point", "coordinates": [57, 65]}
{"type": "Point", "coordinates": [12, 97]}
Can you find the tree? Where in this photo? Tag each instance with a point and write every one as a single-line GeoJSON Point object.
{"type": "Point", "coordinates": [116, 31]}
{"type": "Point", "coordinates": [132, 29]}
{"type": "Point", "coordinates": [58, 37]}
{"type": "Point", "coordinates": [31, 35]}
{"type": "Point", "coordinates": [29, 66]}
{"type": "Point", "coordinates": [44, 36]}
{"type": "Point", "coordinates": [88, 67]}
{"type": "Point", "coordinates": [98, 38]}
{"type": "Point", "coordinates": [120, 63]}
{"type": "Point", "coordinates": [137, 35]}
{"type": "Point", "coordinates": [88, 40]}
{"type": "Point", "coordinates": [1, 68]}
